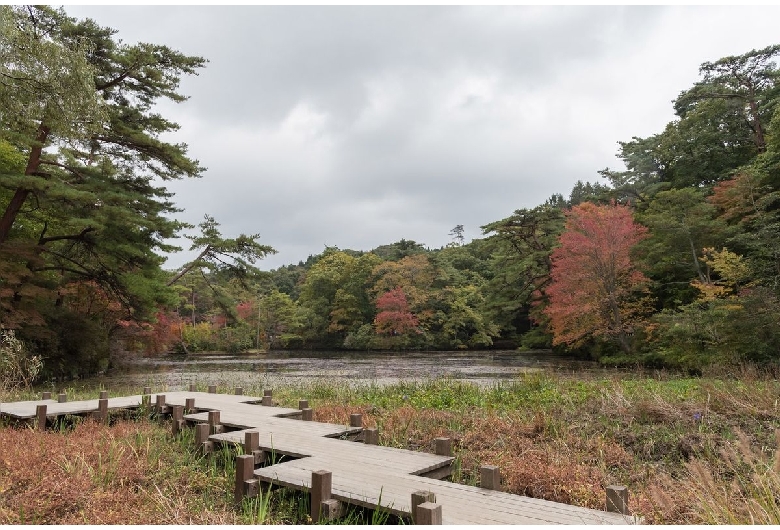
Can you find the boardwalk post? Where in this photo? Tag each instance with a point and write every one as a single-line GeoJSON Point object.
{"type": "Point", "coordinates": [356, 420]}
{"type": "Point", "coordinates": [102, 413]}
{"type": "Point", "coordinates": [160, 406]}
{"type": "Point", "coordinates": [104, 394]}
{"type": "Point", "coordinates": [444, 446]}
{"type": "Point", "coordinates": [245, 468]}
{"type": "Point", "coordinates": [202, 438]}
{"type": "Point", "coordinates": [40, 417]}
{"type": "Point", "coordinates": [214, 425]}
{"type": "Point", "coordinates": [303, 404]}
{"type": "Point", "coordinates": [307, 414]}
{"type": "Point", "coordinates": [177, 415]}
{"type": "Point", "coordinates": [62, 398]}
{"type": "Point", "coordinates": [212, 389]}
{"type": "Point", "coordinates": [189, 405]}
{"type": "Point", "coordinates": [331, 509]}
{"type": "Point", "coordinates": [428, 513]}
{"type": "Point", "coordinates": [418, 498]}
{"type": "Point", "coordinates": [239, 391]}
{"type": "Point", "coordinates": [321, 484]}
{"type": "Point", "coordinates": [147, 390]}
{"type": "Point", "coordinates": [193, 388]}
{"type": "Point", "coordinates": [371, 436]}
{"type": "Point", "coordinates": [490, 478]}
{"type": "Point", "coordinates": [617, 500]}
{"type": "Point", "coordinates": [252, 446]}
{"type": "Point", "coordinates": [267, 398]}
{"type": "Point", "coordinates": [46, 395]}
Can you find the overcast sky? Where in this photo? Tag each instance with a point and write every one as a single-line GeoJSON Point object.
{"type": "Point", "coordinates": [359, 126]}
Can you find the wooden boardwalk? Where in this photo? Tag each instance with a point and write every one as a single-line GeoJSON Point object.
{"type": "Point", "coordinates": [360, 474]}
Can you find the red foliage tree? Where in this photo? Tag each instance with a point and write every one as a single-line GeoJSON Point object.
{"type": "Point", "coordinates": [393, 315]}
{"type": "Point", "coordinates": [596, 290]}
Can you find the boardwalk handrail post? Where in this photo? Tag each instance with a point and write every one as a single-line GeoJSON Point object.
{"type": "Point", "coordinates": [267, 398]}
{"type": "Point", "coordinates": [371, 436]}
{"type": "Point", "coordinates": [356, 420]}
{"type": "Point", "coordinates": [245, 468]}
{"type": "Point", "coordinates": [212, 389]}
{"type": "Point", "coordinates": [252, 446]}
{"type": "Point", "coordinates": [321, 485]}
{"type": "Point", "coordinates": [177, 415]}
{"type": "Point", "coordinates": [147, 390]}
{"type": "Point", "coordinates": [104, 394]}
{"type": "Point", "coordinates": [103, 410]}
{"type": "Point", "coordinates": [307, 414]}
{"type": "Point", "coordinates": [303, 404]}
{"type": "Point", "coordinates": [490, 477]}
{"type": "Point", "coordinates": [202, 438]}
{"type": "Point", "coordinates": [189, 405]}
{"type": "Point", "coordinates": [617, 500]}
{"type": "Point", "coordinates": [46, 395]}
{"type": "Point", "coordinates": [239, 391]}
{"type": "Point", "coordinates": [160, 405]}
{"type": "Point", "coordinates": [428, 513]}
{"type": "Point", "coordinates": [443, 446]}
{"type": "Point", "coordinates": [214, 422]}
{"type": "Point", "coordinates": [40, 417]}
{"type": "Point", "coordinates": [193, 388]}
{"type": "Point", "coordinates": [62, 397]}
{"type": "Point", "coordinates": [418, 498]}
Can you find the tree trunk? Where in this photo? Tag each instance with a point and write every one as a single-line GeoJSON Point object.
{"type": "Point", "coordinates": [20, 196]}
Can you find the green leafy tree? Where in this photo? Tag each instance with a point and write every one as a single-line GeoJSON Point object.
{"type": "Point", "coordinates": [521, 246]}
{"type": "Point", "coordinates": [88, 205]}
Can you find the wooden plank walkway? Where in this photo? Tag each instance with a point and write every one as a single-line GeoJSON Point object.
{"type": "Point", "coordinates": [362, 474]}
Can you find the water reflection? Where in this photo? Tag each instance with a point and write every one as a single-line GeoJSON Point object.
{"type": "Point", "coordinates": [481, 367]}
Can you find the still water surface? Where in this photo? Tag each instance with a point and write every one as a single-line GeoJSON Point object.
{"type": "Point", "coordinates": [481, 367]}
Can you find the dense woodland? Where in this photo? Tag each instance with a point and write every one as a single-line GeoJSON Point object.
{"type": "Point", "coordinates": [673, 262]}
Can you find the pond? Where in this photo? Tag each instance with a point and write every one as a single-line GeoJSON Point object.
{"type": "Point", "coordinates": [279, 367]}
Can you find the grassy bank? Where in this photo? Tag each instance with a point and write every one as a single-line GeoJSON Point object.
{"type": "Point", "coordinates": [690, 450]}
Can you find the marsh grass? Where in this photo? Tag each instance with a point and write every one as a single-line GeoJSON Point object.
{"type": "Point", "coordinates": [691, 450]}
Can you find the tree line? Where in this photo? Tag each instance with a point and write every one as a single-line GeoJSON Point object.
{"type": "Point", "coordinates": [674, 261]}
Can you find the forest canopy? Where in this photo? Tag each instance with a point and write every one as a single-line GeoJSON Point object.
{"type": "Point", "coordinates": [672, 261]}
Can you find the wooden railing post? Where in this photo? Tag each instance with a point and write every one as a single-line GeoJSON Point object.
{"type": "Point", "coordinates": [193, 388]}
{"type": "Point", "coordinates": [214, 426]}
{"type": "Point", "coordinates": [104, 394]}
{"type": "Point", "coordinates": [189, 405]}
{"type": "Point", "coordinates": [617, 500]}
{"type": "Point", "coordinates": [307, 414]}
{"type": "Point", "coordinates": [418, 498]}
{"type": "Point", "coordinates": [40, 417]}
{"type": "Point", "coordinates": [371, 436]}
{"type": "Point", "coordinates": [177, 415]}
{"type": "Point", "coordinates": [321, 485]}
{"type": "Point", "coordinates": [444, 446]}
{"type": "Point", "coordinates": [46, 395]}
{"type": "Point", "coordinates": [428, 513]}
{"type": "Point", "coordinates": [160, 407]}
{"type": "Point", "coordinates": [62, 398]}
{"type": "Point", "coordinates": [202, 438]}
{"type": "Point", "coordinates": [267, 398]}
{"type": "Point", "coordinates": [147, 390]}
{"type": "Point", "coordinates": [356, 420]}
{"type": "Point", "coordinates": [245, 469]}
{"type": "Point", "coordinates": [303, 404]}
{"type": "Point", "coordinates": [103, 410]}
{"type": "Point", "coordinates": [490, 477]}
{"type": "Point", "coordinates": [212, 389]}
